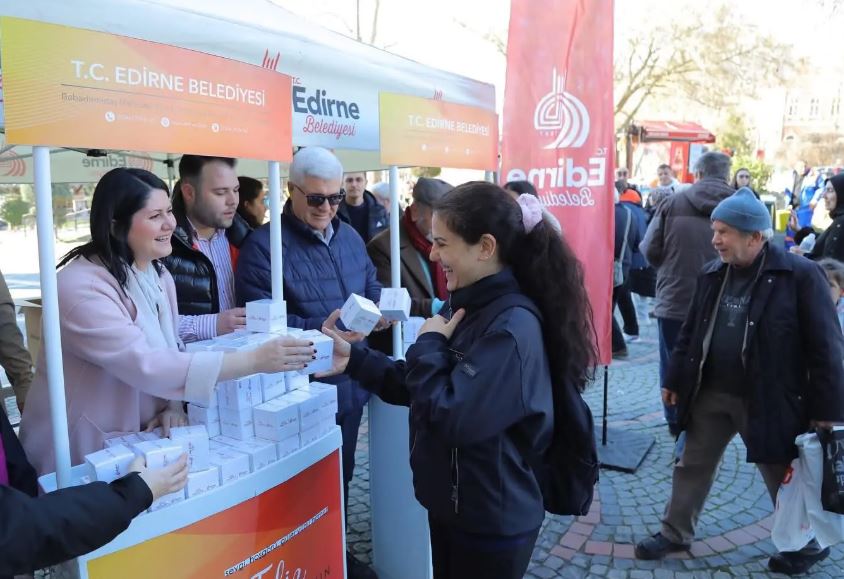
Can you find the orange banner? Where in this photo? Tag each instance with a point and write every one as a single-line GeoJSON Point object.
{"type": "Point", "coordinates": [292, 530]}
{"type": "Point", "coordinates": [434, 133]}
{"type": "Point", "coordinates": [77, 88]}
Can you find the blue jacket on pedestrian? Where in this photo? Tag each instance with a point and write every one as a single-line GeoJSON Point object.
{"type": "Point", "coordinates": [318, 279]}
{"type": "Point", "coordinates": [623, 213]}
{"type": "Point", "coordinates": [481, 412]}
{"type": "Point", "coordinates": [640, 224]}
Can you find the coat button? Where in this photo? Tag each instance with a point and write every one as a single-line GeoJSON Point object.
{"type": "Point", "coordinates": [770, 280]}
{"type": "Point", "coordinates": [751, 323]}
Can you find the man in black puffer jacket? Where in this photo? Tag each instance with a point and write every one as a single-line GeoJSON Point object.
{"type": "Point", "coordinates": [206, 242]}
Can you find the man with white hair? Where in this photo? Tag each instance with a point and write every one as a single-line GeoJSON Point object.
{"type": "Point", "coordinates": [325, 261]}
{"type": "Point", "coordinates": [759, 355]}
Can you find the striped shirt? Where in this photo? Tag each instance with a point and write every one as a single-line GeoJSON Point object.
{"type": "Point", "coordinates": [216, 249]}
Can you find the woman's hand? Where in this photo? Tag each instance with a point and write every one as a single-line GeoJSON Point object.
{"type": "Point", "coordinates": [347, 335]}
{"type": "Point", "coordinates": [441, 326]}
{"type": "Point", "coordinates": [171, 417]}
{"type": "Point", "coordinates": [342, 353]}
{"type": "Point", "coordinates": [283, 354]}
{"type": "Point", "coordinates": [162, 481]}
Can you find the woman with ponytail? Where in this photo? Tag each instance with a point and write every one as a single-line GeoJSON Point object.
{"type": "Point", "coordinates": [478, 380]}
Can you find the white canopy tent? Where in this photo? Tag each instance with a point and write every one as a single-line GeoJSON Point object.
{"type": "Point", "coordinates": [327, 68]}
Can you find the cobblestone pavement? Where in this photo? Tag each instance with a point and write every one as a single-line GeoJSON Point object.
{"type": "Point", "coordinates": [733, 534]}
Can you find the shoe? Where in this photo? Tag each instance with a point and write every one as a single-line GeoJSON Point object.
{"type": "Point", "coordinates": [630, 339]}
{"type": "Point", "coordinates": [657, 547]}
{"type": "Point", "coordinates": [797, 562]}
{"type": "Point", "coordinates": [620, 353]}
{"type": "Point", "coordinates": [357, 570]}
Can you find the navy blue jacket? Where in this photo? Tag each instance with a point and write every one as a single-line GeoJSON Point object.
{"type": "Point", "coordinates": [377, 221]}
{"type": "Point", "coordinates": [634, 236]}
{"type": "Point", "coordinates": [318, 279]}
{"type": "Point", "coordinates": [481, 411]}
{"type": "Point", "coordinates": [792, 360]}
{"type": "Point", "coordinates": [640, 224]}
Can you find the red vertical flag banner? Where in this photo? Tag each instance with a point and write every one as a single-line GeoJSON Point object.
{"type": "Point", "coordinates": [559, 131]}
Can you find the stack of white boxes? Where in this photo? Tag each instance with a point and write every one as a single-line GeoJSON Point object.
{"type": "Point", "coordinates": [249, 423]}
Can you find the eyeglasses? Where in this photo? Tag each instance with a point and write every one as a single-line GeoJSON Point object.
{"type": "Point", "coordinates": [316, 199]}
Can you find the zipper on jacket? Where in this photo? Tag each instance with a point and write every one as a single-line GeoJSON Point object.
{"type": "Point", "coordinates": [340, 281]}
{"type": "Point", "coordinates": [455, 481]}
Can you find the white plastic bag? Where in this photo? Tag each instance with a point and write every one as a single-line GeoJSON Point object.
{"type": "Point", "coordinates": [828, 527]}
{"type": "Point", "coordinates": [792, 529]}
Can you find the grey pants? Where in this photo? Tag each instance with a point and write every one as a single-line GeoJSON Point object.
{"type": "Point", "coordinates": [716, 418]}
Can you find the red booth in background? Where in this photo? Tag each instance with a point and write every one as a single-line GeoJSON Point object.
{"type": "Point", "coordinates": [687, 141]}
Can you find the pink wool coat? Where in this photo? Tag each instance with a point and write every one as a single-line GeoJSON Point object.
{"type": "Point", "coordinates": [114, 381]}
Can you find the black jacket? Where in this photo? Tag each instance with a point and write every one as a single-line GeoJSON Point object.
{"type": "Point", "coordinates": [36, 532]}
{"type": "Point", "coordinates": [481, 411]}
{"type": "Point", "coordinates": [193, 273]}
{"type": "Point", "coordinates": [830, 243]}
{"type": "Point", "coordinates": [793, 355]}
{"type": "Point", "coordinates": [378, 220]}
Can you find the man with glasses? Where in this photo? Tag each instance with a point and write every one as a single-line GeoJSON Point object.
{"type": "Point", "coordinates": [325, 261]}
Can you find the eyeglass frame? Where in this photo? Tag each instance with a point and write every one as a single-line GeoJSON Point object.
{"type": "Point", "coordinates": [316, 200]}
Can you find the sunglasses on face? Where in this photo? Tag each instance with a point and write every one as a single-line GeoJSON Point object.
{"type": "Point", "coordinates": [316, 199]}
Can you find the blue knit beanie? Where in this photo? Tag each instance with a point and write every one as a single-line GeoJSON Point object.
{"type": "Point", "coordinates": [743, 211]}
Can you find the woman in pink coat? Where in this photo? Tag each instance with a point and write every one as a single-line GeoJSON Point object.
{"type": "Point", "coordinates": [124, 367]}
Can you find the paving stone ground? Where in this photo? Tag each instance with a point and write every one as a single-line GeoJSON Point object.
{"type": "Point", "coordinates": [733, 537]}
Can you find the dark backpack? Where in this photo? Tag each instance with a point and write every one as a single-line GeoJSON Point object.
{"type": "Point", "coordinates": [568, 472]}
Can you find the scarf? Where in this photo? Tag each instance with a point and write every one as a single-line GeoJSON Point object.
{"type": "Point", "coordinates": [154, 316]}
{"type": "Point", "coordinates": [423, 246]}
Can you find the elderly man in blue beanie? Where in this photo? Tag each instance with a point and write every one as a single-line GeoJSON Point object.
{"type": "Point", "coordinates": [735, 369]}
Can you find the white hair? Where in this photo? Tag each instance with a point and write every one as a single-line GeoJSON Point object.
{"type": "Point", "coordinates": [315, 162]}
{"type": "Point", "coordinates": [767, 234]}
{"type": "Point", "coordinates": [381, 190]}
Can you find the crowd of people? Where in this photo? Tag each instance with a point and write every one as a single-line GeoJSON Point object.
{"type": "Point", "coordinates": [750, 342]}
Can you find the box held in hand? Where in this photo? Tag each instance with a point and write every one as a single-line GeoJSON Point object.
{"type": "Point", "coordinates": [194, 441]}
{"type": "Point", "coordinates": [360, 314]}
{"type": "Point", "coordinates": [324, 346]}
{"type": "Point", "coordinates": [110, 464]}
{"type": "Point", "coordinates": [395, 304]}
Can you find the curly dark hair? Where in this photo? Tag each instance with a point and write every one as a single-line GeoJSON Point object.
{"type": "Point", "coordinates": [546, 268]}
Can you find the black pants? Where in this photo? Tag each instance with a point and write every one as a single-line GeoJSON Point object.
{"type": "Point", "coordinates": [457, 555]}
{"type": "Point", "coordinates": [349, 423]}
{"type": "Point", "coordinates": [622, 297]}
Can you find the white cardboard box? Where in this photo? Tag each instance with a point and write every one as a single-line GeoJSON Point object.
{"type": "Point", "coordinates": [238, 424]}
{"type": "Point", "coordinates": [202, 481]}
{"type": "Point", "coordinates": [287, 446]}
{"type": "Point", "coordinates": [149, 436]}
{"type": "Point", "coordinates": [273, 385]}
{"type": "Point", "coordinates": [324, 347]}
{"type": "Point", "coordinates": [309, 407]}
{"type": "Point", "coordinates": [241, 393]}
{"type": "Point", "coordinates": [277, 419]}
{"type": "Point", "coordinates": [326, 425]}
{"type": "Point", "coordinates": [158, 453]}
{"type": "Point", "coordinates": [327, 395]}
{"type": "Point", "coordinates": [126, 440]}
{"type": "Point", "coordinates": [268, 316]}
{"type": "Point", "coordinates": [194, 441]}
{"type": "Point", "coordinates": [309, 436]}
{"type": "Point", "coordinates": [109, 464]}
{"type": "Point", "coordinates": [167, 501]}
{"type": "Point", "coordinates": [395, 304]}
{"type": "Point", "coordinates": [294, 380]}
{"type": "Point", "coordinates": [359, 314]}
{"type": "Point", "coordinates": [210, 417]}
{"type": "Point", "coordinates": [261, 453]}
{"type": "Point", "coordinates": [232, 464]}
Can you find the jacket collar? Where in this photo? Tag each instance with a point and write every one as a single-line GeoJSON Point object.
{"type": "Point", "coordinates": [484, 291]}
{"type": "Point", "coordinates": [236, 233]}
{"type": "Point", "coordinates": [343, 210]}
{"type": "Point", "coordinates": [776, 260]}
{"type": "Point", "coordinates": [289, 219]}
